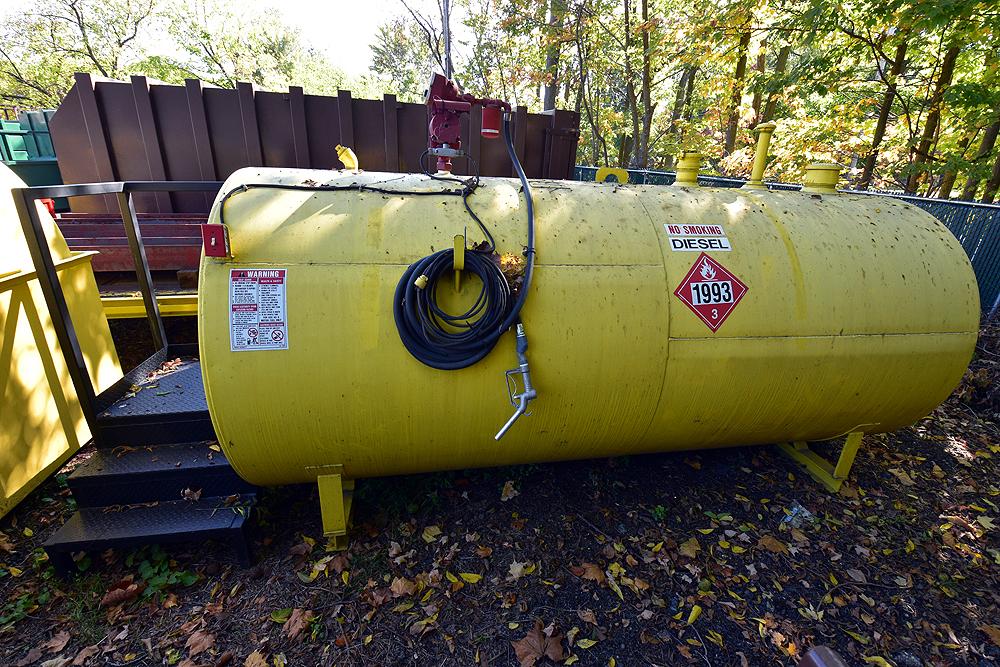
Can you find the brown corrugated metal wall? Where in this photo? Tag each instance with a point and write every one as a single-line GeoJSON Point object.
{"type": "Point", "coordinates": [109, 130]}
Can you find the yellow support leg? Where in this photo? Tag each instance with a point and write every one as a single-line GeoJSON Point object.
{"type": "Point", "coordinates": [336, 496]}
{"type": "Point", "coordinates": [829, 475]}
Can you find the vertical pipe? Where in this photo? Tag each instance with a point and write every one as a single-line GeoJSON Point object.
{"type": "Point", "coordinates": [134, 235]}
{"type": "Point", "coordinates": [764, 132]}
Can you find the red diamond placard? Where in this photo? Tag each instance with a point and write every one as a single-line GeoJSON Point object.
{"type": "Point", "coordinates": [710, 291]}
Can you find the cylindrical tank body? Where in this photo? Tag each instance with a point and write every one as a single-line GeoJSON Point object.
{"type": "Point", "coordinates": [857, 313]}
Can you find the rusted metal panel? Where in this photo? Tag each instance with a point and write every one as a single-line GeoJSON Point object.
{"type": "Point", "coordinates": [109, 130]}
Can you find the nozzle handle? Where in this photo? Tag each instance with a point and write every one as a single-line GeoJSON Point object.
{"type": "Point", "coordinates": [519, 400]}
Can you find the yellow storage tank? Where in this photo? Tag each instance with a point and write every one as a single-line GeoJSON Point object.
{"type": "Point", "coordinates": [660, 318]}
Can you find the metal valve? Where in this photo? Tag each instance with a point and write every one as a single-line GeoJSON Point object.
{"type": "Point", "coordinates": [519, 400]}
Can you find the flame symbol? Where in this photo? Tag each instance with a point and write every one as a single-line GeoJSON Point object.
{"type": "Point", "coordinates": [707, 272]}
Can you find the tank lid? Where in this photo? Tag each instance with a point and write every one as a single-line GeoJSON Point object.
{"type": "Point", "coordinates": [687, 168]}
{"type": "Point", "coordinates": [822, 177]}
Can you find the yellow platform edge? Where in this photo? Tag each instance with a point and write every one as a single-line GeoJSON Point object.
{"type": "Point", "coordinates": [132, 307]}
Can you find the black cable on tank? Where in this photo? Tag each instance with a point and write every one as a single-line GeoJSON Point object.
{"type": "Point", "coordinates": [451, 341]}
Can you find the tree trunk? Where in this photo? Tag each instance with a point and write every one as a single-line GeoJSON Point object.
{"type": "Point", "coordinates": [641, 158]}
{"type": "Point", "coordinates": [993, 185]}
{"type": "Point", "coordinates": [689, 94]}
{"type": "Point", "coordinates": [780, 64]}
{"type": "Point", "coordinates": [758, 95]}
{"type": "Point", "coordinates": [923, 152]}
{"type": "Point", "coordinates": [624, 156]}
{"type": "Point", "coordinates": [985, 148]}
{"type": "Point", "coordinates": [733, 112]}
{"type": "Point", "coordinates": [680, 101]}
{"type": "Point", "coordinates": [898, 64]}
{"type": "Point", "coordinates": [951, 175]}
{"type": "Point", "coordinates": [557, 10]}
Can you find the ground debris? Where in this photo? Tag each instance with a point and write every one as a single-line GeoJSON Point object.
{"type": "Point", "coordinates": [714, 557]}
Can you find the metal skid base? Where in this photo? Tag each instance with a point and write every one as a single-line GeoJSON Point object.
{"type": "Point", "coordinates": [830, 475]}
{"type": "Point", "coordinates": [336, 498]}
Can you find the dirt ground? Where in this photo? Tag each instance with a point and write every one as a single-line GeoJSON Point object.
{"type": "Point", "coordinates": [730, 557]}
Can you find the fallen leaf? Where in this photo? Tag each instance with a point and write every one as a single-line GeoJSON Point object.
{"type": "Point", "coordinates": [57, 662]}
{"type": "Point", "coordinates": [695, 613]}
{"type": "Point", "coordinates": [122, 592]}
{"type": "Point", "coordinates": [902, 476]}
{"type": "Point", "coordinates": [878, 660]}
{"type": "Point", "coordinates": [587, 616]}
{"type": "Point", "coordinates": [401, 586]}
{"type": "Point", "coordinates": [297, 622]}
{"type": "Point", "coordinates": [518, 570]}
{"type": "Point", "coordinates": [986, 522]}
{"type": "Point", "coordinates": [57, 643]}
{"type": "Point", "coordinates": [991, 631]}
{"type": "Point", "coordinates": [85, 654]}
{"type": "Point", "coordinates": [281, 615]}
{"type": "Point", "coordinates": [690, 548]}
{"type": "Point", "coordinates": [469, 577]}
{"type": "Point", "coordinates": [586, 643]}
{"type": "Point", "coordinates": [199, 642]}
{"type": "Point", "coordinates": [536, 644]}
{"type": "Point", "coordinates": [857, 575]}
{"type": "Point", "coordinates": [508, 491]}
{"type": "Point", "coordinates": [590, 572]}
{"type": "Point", "coordinates": [431, 533]}
{"type": "Point", "coordinates": [33, 656]}
{"type": "Point", "coordinates": [255, 659]}
{"type": "Point", "coordinates": [773, 544]}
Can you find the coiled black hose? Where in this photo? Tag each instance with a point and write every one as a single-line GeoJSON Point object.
{"type": "Point", "coordinates": [449, 342]}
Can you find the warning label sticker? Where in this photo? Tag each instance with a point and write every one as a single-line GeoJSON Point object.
{"type": "Point", "coordinates": [257, 318]}
{"type": "Point", "coordinates": [698, 238]}
{"type": "Point", "coordinates": [710, 291]}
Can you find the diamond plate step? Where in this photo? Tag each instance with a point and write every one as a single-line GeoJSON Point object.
{"type": "Point", "coordinates": [97, 528]}
{"type": "Point", "coordinates": [167, 408]}
{"type": "Point", "coordinates": [131, 475]}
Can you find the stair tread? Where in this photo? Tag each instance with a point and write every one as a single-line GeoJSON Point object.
{"type": "Point", "coordinates": [175, 392]}
{"type": "Point", "coordinates": [188, 457]}
{"type": "Point", "coordinates": [175, 520]}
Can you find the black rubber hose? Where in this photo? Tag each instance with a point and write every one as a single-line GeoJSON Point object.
{"type": "Point", "coordinates": [449, 342]}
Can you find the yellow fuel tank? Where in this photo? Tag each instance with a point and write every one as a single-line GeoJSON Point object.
{"type": "Point", "coordinates": [659, 318]}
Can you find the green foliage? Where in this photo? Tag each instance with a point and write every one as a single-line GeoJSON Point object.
{"type": "Point", "coordinates": [219, 41]}
{"type": "Point", "coordinates": [650, 78]}
{"type": "Point", "coordinates": [158, 571]}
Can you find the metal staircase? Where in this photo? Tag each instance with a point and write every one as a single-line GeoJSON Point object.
{"type": "Point", "coordinates": [156, 476]}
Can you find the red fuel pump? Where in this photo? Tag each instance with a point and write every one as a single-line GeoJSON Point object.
{"type": "Point", "coordinates": [445, 106]}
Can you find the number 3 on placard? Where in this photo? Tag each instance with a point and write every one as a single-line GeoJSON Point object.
{"type": "Point", "coordinates": [715, 313]}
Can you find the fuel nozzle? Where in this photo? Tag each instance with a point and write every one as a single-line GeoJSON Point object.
{"type": "Point", "coordinates": [521, 399]}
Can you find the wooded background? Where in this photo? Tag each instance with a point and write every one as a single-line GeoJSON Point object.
{"type": "Point", "coordinates": [904, 93]}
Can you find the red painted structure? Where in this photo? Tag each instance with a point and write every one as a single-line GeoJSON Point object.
{"type": "Point", "coordinates": [173, 241]}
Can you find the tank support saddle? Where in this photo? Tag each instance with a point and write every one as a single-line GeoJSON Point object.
{"type": "Point", "coordinates": [826, 473]}
{"type": "Point", "coordinates": [336, 496]}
